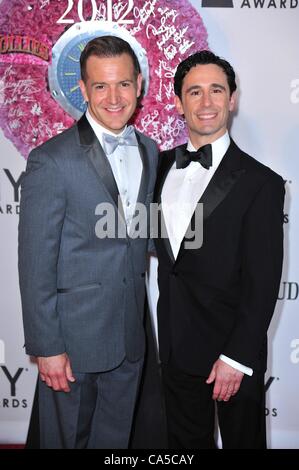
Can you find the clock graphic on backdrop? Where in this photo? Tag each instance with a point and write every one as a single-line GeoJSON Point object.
{"type": "Point", "coordinates": [64, 72]}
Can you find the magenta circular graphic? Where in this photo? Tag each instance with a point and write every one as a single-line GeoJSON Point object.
{"type": "Point", "coordinates": [168, 30]}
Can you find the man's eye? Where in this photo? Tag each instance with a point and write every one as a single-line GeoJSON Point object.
{"type": "Point", "coordinates": [99, 87]}
{"type": "Point", "coordinates": [217, 90]}
{"type": "Point", "coordinates": [194, 93]}
{"type": "Point", "coordinates": [125, 84]}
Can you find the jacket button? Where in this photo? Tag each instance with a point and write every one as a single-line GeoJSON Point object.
{"type": "Point", "coordinates": [124, 280]}
{"type": "Point", "coordinates": [174, 273]}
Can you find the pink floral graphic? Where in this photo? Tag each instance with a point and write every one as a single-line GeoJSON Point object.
{"type": "Point", "coordinates": [169, 30]}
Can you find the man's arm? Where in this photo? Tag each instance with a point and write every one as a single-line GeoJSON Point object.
{"type": "Point", "coordinates": [261, 266]}
{"type": "Point", "coordinates": [41, 220]}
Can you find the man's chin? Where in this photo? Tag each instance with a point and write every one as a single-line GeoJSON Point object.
{"type": "Point", "coordinates": [115, 127]}
{"type": "Point", "coordinates": [209, 131]}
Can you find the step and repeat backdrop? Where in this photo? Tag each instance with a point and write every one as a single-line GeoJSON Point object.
{"type": "Point", "coordinates": [40, 45]}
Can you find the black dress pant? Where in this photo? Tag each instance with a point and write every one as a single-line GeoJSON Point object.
{"type": "Point", "coordinates": [190, 412]}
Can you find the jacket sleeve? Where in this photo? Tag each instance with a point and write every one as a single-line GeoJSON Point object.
{"type": "Point", "coordinates": [42, 211]}
{"type": "Point", "coordinates": [261, 267]}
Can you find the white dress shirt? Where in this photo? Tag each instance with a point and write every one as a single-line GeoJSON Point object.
{"type": "Point", "coordinates": [126, 165]}
{"type": "Point", "coordinates": [180, 194]}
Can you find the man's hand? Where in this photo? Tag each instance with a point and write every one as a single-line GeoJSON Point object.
{"type": "Point", "coordinates": [227, 380]}
{"type": "Point", "coordinates": [56, 372]}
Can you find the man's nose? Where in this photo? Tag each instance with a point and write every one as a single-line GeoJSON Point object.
{"type": "Point", "coordinates": [113, 96]}
{"type": "Point", "coordinates": [206, 99]}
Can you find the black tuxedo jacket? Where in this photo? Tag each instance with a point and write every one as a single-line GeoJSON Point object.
{"type": "Point", "coordinates": [220, 298]}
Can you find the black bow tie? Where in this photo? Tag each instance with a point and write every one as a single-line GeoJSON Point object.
{"type": "Point", "coordinates": [203, 156]}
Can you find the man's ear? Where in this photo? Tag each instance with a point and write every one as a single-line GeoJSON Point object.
{"type": "Point", "coordinates": [139, 84]}
{"type": "Point", "coordinates": [232, 101]}
{"type": "Point", "coordinates": [83, 90]}
{"type": "Point", "coordinates": [178, 105]}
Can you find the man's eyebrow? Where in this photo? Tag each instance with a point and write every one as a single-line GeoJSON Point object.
{"type": "Point", "coordinates": [105, 83]}
{"type": "Point", "coordinates": [98, 83]}
{"type": "Point", "coordinates": [193, 87]}
{"type": "Point", "coordinates": [198, 87]}
{"type": "Point", "coordinates": [218, 85]}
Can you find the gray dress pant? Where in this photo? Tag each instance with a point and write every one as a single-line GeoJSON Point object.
{"type": "Point", "coordinates": [96, 414]}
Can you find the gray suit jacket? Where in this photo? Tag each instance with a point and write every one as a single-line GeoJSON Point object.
{"type": "Point", "coordinates": [80, 294]}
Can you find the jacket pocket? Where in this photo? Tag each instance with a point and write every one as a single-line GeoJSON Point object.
{"type": "Point", "coordinates": [79, 288]}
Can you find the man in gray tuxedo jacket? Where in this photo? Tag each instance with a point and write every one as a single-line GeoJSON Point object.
{"type": "Point", "coordinates": [82, 283]}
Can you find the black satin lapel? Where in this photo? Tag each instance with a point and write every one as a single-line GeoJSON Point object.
{"type": "Point", "coordinates": [224, 179]}
{"type": "Point", "coordinates": [163, 171]}
{"type": "Point", "coordinates": [166, 240]}
{"type": "Point", "coordinates": [86, 134]}
{"type": "Point", "coordinates": [164, 166]}
{"type": "Point", "coordinates": [218, 188]}
{"type": "Point", "coordinates": [102, 166]}
{"type": "Point", "coordinates": [99, 161]}
{"type": "Point", "coordinates": [144, 181]}
{"type": "Point", "coordinates": [145, 171]}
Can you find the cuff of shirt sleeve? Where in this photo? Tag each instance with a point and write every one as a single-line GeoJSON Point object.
{"type": "Point", "coordinates": [236, 365]}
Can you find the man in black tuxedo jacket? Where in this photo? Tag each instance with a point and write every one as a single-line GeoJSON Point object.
{"type": "Point", "coordinates": [216, 301]}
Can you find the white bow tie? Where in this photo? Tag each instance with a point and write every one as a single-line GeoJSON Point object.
{"type": "Point", "coordinates": [110, 142]}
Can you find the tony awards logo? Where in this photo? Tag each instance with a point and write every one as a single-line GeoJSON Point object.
{"type": "Point", "coordinates": [217, 3]}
